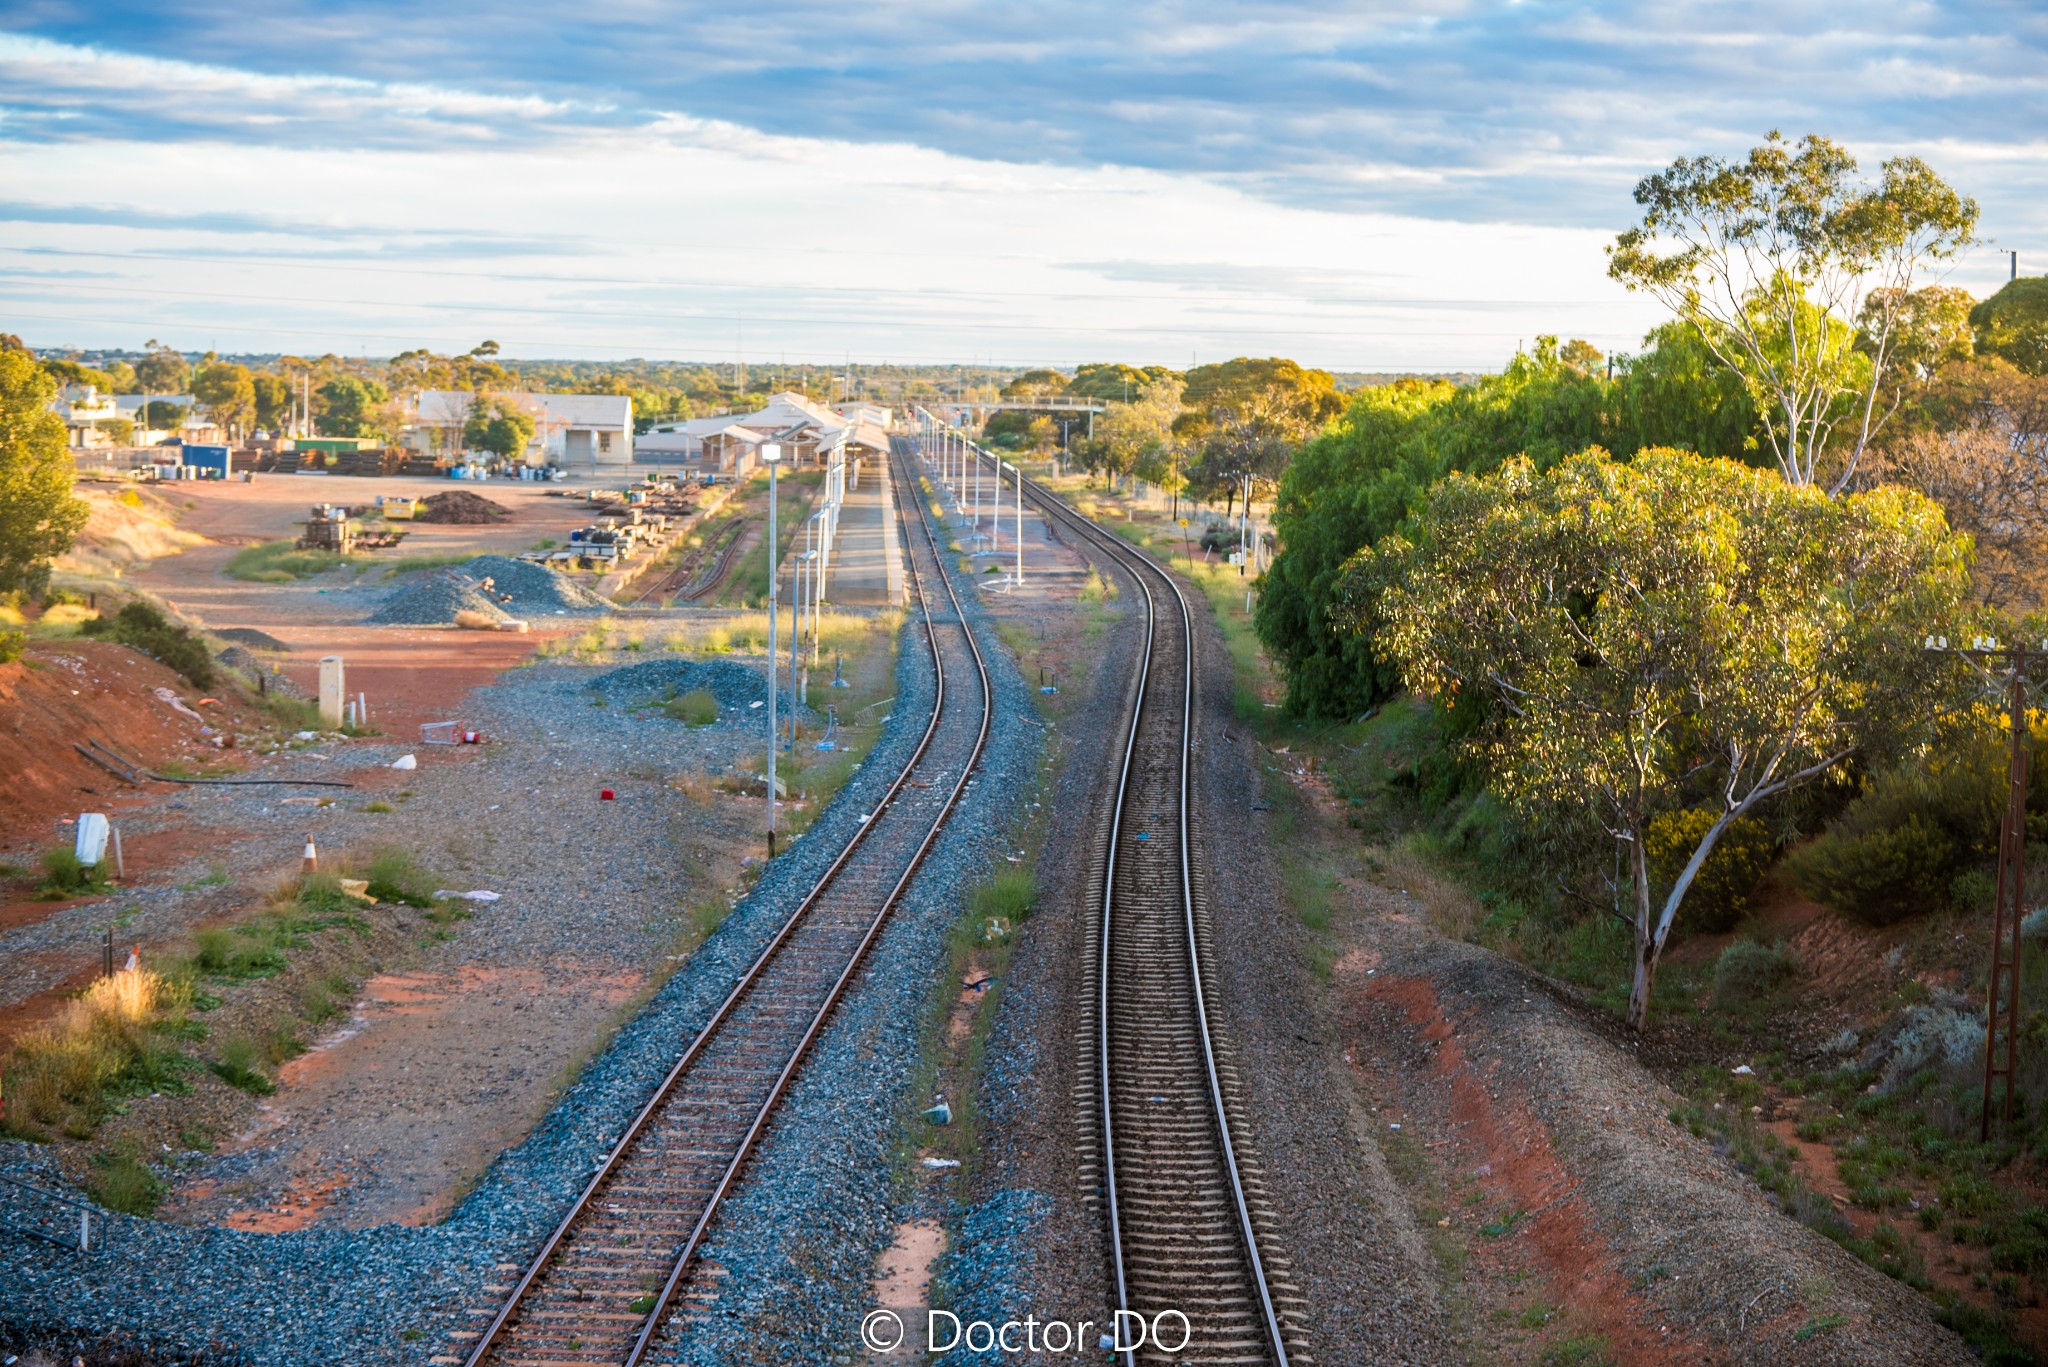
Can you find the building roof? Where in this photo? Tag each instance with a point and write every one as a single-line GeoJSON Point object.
{"type": "Point", "coordinates": [450, 408]}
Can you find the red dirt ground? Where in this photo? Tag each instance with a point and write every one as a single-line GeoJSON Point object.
{"type": "Point", "coordinates": [1500, 1139]}
{"type": "Point", "coordinates": [65, 691]}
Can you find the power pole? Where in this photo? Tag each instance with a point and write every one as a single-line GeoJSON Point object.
{"type": "Point", "coordinates": [2008, 908]}
{"type": "Point", "coordinates": [2002, 995]}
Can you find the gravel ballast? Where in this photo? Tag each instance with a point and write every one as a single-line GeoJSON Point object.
{"type": "Point", "coordinates": [517, 588]}
{"type": "Point", "coordinates": [799, 1237]}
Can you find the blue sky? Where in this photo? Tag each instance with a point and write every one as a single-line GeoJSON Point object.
{"type": "Point", "coordinates": [1407, 186]}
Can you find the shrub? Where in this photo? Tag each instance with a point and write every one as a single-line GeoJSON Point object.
{"type": "Point", "coordinates": [1747, 971]}
{"type": "Point", "coordinates": [12, 643]}
{"type": "Point", "coordinates": [65, 876]}
{"type": "Point", "coordinates": [1719, 894]}
{"type": "Point", "coordinates": [237, 1066]}
{"type": "Point", "coordinates": [695, 708]}
{"type": "Point", "coordinates": [1875, 874]}
{"type": "Point", "coordinates": [1009, 895]}
{"type": "Point", "coordinates": [224, 953]}
{"type": "Point", "coordinates": [280, 562]}
{"type": "Point", "coordinates": [61, 1072]}
{"type": "Point", "coordinates": [395, 876]}
{"type": "Point", "coordinates": [121, 1181]}
{"type": "Point", "coordinates": [1908, 840]}
{"type": "Point", "coordinates": [143, 626]}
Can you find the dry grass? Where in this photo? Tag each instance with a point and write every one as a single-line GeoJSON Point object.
{"type": "Point", "coordinates": [695, 785]}
{"type": "Point", "coordinates": [1452, 910]}
{"type": "Point", "coordinates": [62, 1072]}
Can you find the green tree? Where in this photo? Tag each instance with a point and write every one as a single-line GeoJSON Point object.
{"type": "Point", "coordinates": [1116, 382]}
{"type": "Point", "coordinates": [161, 370]}
{"type": "Point", "coordinates": [498, 427]}
{"type": "Point", "coordinates": [66, 372]}
{"type": "Point", "coordinates": [1035, 384]}
{"type": "Point", "coordinates": [1346, 489]}
{"type": "Point", "coordinates": [273, 397]}
{"type": "Point", "coordinates": [161, 415]}
{"type": "Point", "coordinates": [1774, 259]}
{"type": "Point", "coordinates": [1678, 393]}
{"type": "Point", "coordinates": [2013, 324]}
{"type": "Point", "coordinates": [39, 517]}
{"type": "Point", "coordinates": [1671, 632]}
{"type": "Point", "coordinates": [228, 393]}
{"type": "Point", "coordinates": [350, 405]}
{"type": "Point", "coordinates": [1134, 436]}
{"type": "Point", "coordinates": [1368, 472]}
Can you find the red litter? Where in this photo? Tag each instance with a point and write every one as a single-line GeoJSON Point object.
{"type": "Point", "coordinates": [605, 795]}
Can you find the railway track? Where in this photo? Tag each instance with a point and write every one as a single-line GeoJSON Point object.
{"type": "Point", "coordinates": [615, 1278]}
{"type": "Point", "coordinates": [698, 572]}
{"type": "Point", "coordinates": [1165, 1133]}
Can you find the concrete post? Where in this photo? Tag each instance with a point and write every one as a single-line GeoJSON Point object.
{"type": "Point", "coordinates": [333, 690]}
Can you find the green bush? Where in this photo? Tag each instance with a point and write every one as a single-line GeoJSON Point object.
{"type": "Point", "coordinates": [143, 626]}
{"type": "Point", "coordinates": [395, 876]}
{"type": "Point", "coordinates": [1747, 972]}
{"type": "Point", "coordinates": [695, 708]}
{"type": "Point", "coordinates": [1719, 894]}
{"type": "Point", "coordinates": [238, 1066]}
{"type": "Point", "coordinates": [280, 562]}
{"type": "Point", "coordinates": [121, 1181]}
{"type": "Point", "coordinates": [65, 876]}
{"type": "Point", "coordinates": [1877, 875]}
{"type": "Point", "coordinates": [12, 643]}
{"type": "Point", "coordinates": [1908, 840]}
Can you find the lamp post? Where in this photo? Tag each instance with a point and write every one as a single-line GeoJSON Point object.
{"type": "Point", "coordinates": [771, 456]}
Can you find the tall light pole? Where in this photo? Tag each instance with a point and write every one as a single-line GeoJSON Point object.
{"type": "Point", "coordinates": [771, 456]}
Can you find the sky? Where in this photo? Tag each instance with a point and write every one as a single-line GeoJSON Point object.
{"type": "Point", "coordinates": [1362, 186]}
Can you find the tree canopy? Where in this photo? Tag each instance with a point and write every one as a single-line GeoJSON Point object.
{"type": "Point", "coordinates": [228, 393]}
{"type": "Point", "coordinates": [39, 517]}
{"type": "Point", "coordinates": [498, 427]}
{"type": "Point", "coordinates": [1794, 273]}
{"type": "Point", "coordinates": [2013, 324]}
{"type": "Point", "coordinates": [350, 405]}
{"type": "Point", "coordinates": [1359, 479]}
{"type": "Point", "coordinates": [1671, 632]}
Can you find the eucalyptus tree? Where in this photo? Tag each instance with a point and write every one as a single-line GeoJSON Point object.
{"type": "Point", "coordinates": [1674, 632]}
{"type": "Point", "coordinates": [1800, 277]}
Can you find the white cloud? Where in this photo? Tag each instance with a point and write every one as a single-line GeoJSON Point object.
{"type": "Point", "coordinates": [433, 214]}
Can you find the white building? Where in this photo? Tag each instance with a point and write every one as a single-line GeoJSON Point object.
{"type": "Point", "coordinates": [84, 408]}
{"type": "Point", "coordinates": [568, 429]}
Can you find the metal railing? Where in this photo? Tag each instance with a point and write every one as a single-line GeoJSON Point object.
{"type": "Point", "coordinates": [51, 1216]}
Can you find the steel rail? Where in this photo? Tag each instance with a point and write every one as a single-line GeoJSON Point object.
{"type": "Point", "coordinates": [481, 1350]}
{"type": "Point", "coordinates": [1138, 563]}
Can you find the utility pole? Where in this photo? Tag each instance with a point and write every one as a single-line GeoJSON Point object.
{"type": "Point", "coordinates": [2002, 996]}
{"type": "Point", "coordinates": [771, 456]}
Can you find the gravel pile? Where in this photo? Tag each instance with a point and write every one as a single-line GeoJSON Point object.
{"type": "Point", "coordinates": [736, 686]}
{"type": "Point", "coordinates": [433, 600]}
{"type": "Point", "coordinates": [249, 636]}
{"type": "Point", "coordinates": [461, 508]}
{"type": "Point", "coordinates": [518, 588]}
